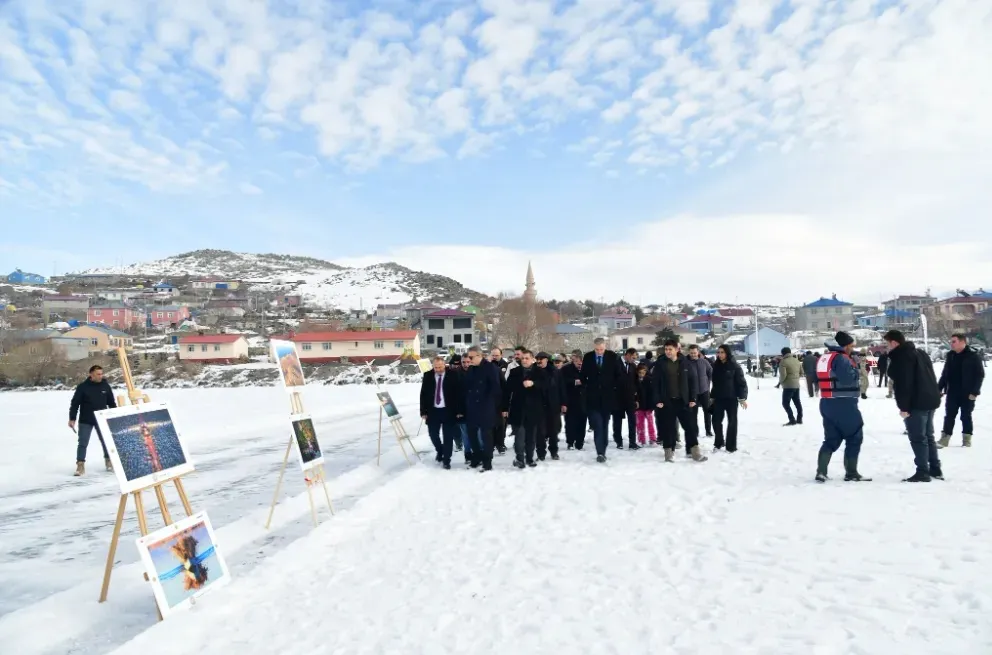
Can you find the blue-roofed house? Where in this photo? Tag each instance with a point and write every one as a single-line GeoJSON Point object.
{"type": "Point", "coordinates": [20, 277]}
{"type": "Point", "coordinates": [706, 323]}
{"type": "Point", "coordinates": [826, 315]}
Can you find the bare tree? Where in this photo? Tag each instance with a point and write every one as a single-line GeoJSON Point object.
{"type": "Point", "coordinates": [513, 324]}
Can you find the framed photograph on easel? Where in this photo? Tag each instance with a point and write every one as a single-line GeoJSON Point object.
{"type": "Point", "coordinates": [388, 406]}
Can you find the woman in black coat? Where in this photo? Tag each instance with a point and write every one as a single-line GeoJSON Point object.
{"type": "Point", "coordinates": [729, 392]}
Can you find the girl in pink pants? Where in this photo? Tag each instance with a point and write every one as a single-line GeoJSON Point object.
{"type": "Point", "coordinates": [644, 395]}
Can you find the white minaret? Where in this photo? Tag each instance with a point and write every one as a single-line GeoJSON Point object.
{"type": "Point", "coordinates": [530, 293]}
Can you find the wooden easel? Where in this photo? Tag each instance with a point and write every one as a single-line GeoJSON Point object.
{"type": "Point", "coordinates": [135, 397]}
{"type": "Point", "coordinates": [398, 428]}
{"type": "Point", "coordinates": [401, 435]}
{"type": "Point", "coordinates": [296, 406]}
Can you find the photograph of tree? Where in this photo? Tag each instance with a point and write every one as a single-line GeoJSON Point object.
{"type": "Point", "coordinates": [307, 446]}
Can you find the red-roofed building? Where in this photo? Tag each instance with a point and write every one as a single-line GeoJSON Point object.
{"type": "Point", "coordinates": [323, 347]}
{"type": "Point", "coordinates": [213, 348]}
{"type": "Point", "coordinates": [742, 317]}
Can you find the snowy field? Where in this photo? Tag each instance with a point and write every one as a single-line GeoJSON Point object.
{"type": "Point", "coordinates": [741, 554]}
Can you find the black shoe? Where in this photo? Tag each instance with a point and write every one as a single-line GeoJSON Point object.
{"type": "Point", "coordinates": [633, 446]}
{"type": "Point", "coordinates": [918, 477]}
{"type": "Point", "coordinates": [600, 458]}
{"type": "Point", "coordinates": [458, 447]}
{"type": "Point", "coordinates": [532, 463]}
{"type": "Point", "coordinates": [476, 462]}
{"type": "Point", "coordinates": [709, 434]}
{"type": "Point", "coordinates": [501, 450]}
{"type": "Point", "coordinates": [541, 457]}
{"type": "Point", "coordinates": [554, 456]}
{"type": "Point", "coordinates": [578, 447]}
{"type": "Point", "coordinates": [438, 458]}
{"type": "Point", "coordinates": [447, 466]}
{"type": "Point", "coordinates": [570, 446]}
{"type": "Point", "coordinates": [821, 477]}
{"type": "Point", "coordinates": [517, 463]}
{"type": "Point", "coordinates": [939, 475]}
{"type": "Point", "coordinates": [864, 396]}
{"type": "Point", "coordinates": [799, 420]}
{"type": "Point", "coordinates": [620, 446]}
{"type": "Point", "coordinates": [790, 423]}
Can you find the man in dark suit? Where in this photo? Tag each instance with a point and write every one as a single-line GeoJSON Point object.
{"type": "Point", "coordinates": [525, 401]}
{"type": "Point", "coordinates": [483, 396]}
{"type": "Point", "coordinates": [441, 406]}
{"type": "Point", "coordinates": [573, 402]}
{"type": "Point", "coordinates": [602, 379]}
{"type": "Point", "coordinates": [547, 440]}
{"type": "Point", "coordinates": [625, 402]}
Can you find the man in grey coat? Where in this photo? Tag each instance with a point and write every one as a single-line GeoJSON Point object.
{"type": "Point", "coordinates": [704, 379]}
{"type": "Point", "coordinates": [809, 372]}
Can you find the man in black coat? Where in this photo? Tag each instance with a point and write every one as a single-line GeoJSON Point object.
{"type": "Point", "coordinates": [626, 405]}
{"type": "Point", "coordinates": [918, 398]}
{"type": "Point", "coordinates": [483, 396]}
{"type": "Point", "coordinates": [574, 402]}
{"type": "Point", "coordinates": [673, 380]}
{"type": "Point", "coordinates": [92, 395]}
{"type": "Point", "coordinates": [441, 406]}
{"type": "Point", "coordinates": [961, 381]}
{"type": "Point", "coordinates": [883, 367]}
{"type": "Point", "coordinates": [525, 404]}
{"type": "Point", "coordinates": [547, 441]}
{"type": "Point", "coordinates": [499, 430]}
{"type": "Point", "coordinates": [602, 379]}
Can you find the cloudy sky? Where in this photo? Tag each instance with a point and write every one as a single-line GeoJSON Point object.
{"type": "Point", "coordinates": [764, 150]}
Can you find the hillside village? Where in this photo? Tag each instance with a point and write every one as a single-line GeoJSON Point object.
{"type": "Point", "coordinates": [204, 319]}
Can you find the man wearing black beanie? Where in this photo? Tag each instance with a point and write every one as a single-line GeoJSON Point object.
{"type": "Point", "coordinates": [838, 378]}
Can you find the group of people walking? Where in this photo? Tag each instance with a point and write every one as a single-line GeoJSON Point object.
{"type": "Point", "coordinates": [469, 404]}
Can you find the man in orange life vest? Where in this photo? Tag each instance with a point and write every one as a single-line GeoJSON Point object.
{"type": "Point", "coordinates": [839, 381]}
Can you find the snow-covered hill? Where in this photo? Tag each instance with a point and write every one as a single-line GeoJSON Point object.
{"type": "Point", "coordinates": [321, 283]}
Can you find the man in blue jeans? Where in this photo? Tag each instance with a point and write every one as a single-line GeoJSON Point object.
{"type": "Point", "coordinates": [601, 377]}
{"type": "Point", "coordinates": [92, 395]}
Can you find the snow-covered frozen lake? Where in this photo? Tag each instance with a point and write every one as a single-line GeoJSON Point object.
{"type": "Point", "coordinates": [741, 554]}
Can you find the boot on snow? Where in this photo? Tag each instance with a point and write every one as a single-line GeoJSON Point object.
{"type": "Point", "coordinates": [669, 455]}
{"type": "Point", "coordinates": [966, 440]}
{"type": "Point", "coordinates": [919, 476]}
{"type": "Point", "coordinates": [822, 462]}
{"type": "Point", "coordinates": [108, 464]}
{"type": "Point", "coordinates": [80, 469]}
{"type": "Point", "coordinates": [696, 455]}
{"type": "Point", "coordinates": [936, 475]}
{"type": "Point", "coordinates": [944, 441]}
{"type": "Point", "coordinates": [851, 471]}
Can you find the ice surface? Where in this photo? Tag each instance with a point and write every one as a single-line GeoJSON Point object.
{"type": "Point", "coordinates": [741, 554]}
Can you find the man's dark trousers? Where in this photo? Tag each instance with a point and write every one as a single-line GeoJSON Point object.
{"type": "Point", "coordinates": [919, 425]}
{"type": "Point", "coordinates": [703, 405]}
{"type": "Point", "coordinates": [575, 427]}
{"type": "Point", "coordinates": [524, 442]}
{"type": "Point", "coordinates": [618, 416]}
{"type": "Point", "coordinates": [951, 407]}
{"type": "Point", "coordinates": [677, 412]}
{"type": "Point", "coordinates": [85, 431]}
{"type": "Point", "coordinates": [791, 396]}
{"type": "Point", "coordinates": [441, 422]}
{"type": "Point", "coordinates": [597, 421]}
